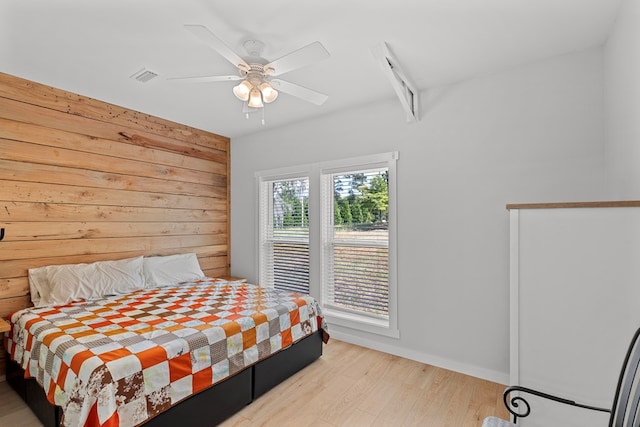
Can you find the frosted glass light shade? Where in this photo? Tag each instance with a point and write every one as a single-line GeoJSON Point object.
{"type": "Point", "coordinates": [269, 94]}
{"type": "Point", "coordinates": [243, 90]}
{"type": "Point", "coordinates": [255, 99]}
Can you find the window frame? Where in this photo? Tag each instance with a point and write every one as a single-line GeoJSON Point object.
{"type": "Point", "coordinates": [263, 179]}
{"type": "Point", "coordinates": [345, 317]}
{"type": "Point", "coordinates": [314, 172]}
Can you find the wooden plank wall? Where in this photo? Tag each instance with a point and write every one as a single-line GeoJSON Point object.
{"type": "Point", "coordinates": [82, 180]}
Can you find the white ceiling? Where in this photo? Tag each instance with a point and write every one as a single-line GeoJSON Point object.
{"type": "Point", "coordinates": [93, 47]}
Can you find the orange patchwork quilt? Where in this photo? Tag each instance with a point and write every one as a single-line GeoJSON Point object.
{"type": "Point", "coordinates": [121, 360]}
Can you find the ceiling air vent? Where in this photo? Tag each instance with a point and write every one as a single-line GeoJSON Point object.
{"type": "Point", "coordinates": [144, 75]}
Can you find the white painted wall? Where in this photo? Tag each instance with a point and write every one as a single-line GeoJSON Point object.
{"type": "Point", "coordinates": [528, 134]}
{"type": "Point", "coordinates": [622, 103]}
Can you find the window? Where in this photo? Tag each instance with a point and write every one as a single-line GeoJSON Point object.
{"type": "Point", "coordinates": [358, 213]}
{"type": "Point", "coordinates": [328, 229]}
{"type": "Point", "coordinates": [357, 242]}
{"type": "Point", "coordinates": [284, 240]}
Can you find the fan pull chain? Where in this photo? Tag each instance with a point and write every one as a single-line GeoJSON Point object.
{"type": "Point", "coordinates": [262, 116]}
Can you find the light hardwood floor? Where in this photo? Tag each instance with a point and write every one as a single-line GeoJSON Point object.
{"type": "Point", "coordinates": [349, 386]}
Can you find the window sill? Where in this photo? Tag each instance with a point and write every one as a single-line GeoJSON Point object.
{"type": "Point", "coordinates": [360, 323]}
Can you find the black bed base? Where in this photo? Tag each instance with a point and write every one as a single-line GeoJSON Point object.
{"type": "Point", "coordinates": [212, 405]}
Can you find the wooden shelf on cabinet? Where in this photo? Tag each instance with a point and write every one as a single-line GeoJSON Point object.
{"type": "Point", "coordinates": [572, 205]}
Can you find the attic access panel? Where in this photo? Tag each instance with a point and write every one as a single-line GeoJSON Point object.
{"type": "Point", "coordinates": [405, 91]}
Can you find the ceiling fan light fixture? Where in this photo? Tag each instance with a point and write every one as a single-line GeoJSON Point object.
{"type": "Point", "coordinates": [243, 90]}
{"type": "Point", "coordinates": [269, 94]}
{"type": "Point", "coordinates": [255, 99]}
{"type": "Point", "coordinates": [255, 77]}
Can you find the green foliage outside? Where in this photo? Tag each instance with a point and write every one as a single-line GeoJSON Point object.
{"type": "Point", "coordinates": [290, 204]}
{"type": "Point", "coordinates": [359, 200]}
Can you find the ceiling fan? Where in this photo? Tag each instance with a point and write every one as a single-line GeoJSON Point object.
{"type": "Point", "coordinates": [257, 85]}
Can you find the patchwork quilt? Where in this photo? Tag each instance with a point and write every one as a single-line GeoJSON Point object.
{"type": "Point", "coordinates": [121, 360]}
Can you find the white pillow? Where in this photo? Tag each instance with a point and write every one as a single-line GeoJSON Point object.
{"type": "Point", "coordinates": [39, 285]}
{"type": "Point", "coordinates": [171, 270]}
{"type": "Point", "coordinates": [88, 281]}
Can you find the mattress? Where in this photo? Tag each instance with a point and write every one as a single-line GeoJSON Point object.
{"type": "Point", "coordinates": [120, 360]}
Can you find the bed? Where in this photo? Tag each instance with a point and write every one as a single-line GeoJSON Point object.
{"type": "Point", "coordinates": [160, 351]}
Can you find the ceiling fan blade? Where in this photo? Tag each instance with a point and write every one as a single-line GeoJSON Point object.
{"type": "Point", "coordinates": [302, 57]}
{"type": "Point", "coordinates": [299, 91]}
{"type": "Point", "coordinates": [204, 34]}
{"type": "Point", "coordinates": [205, 79]}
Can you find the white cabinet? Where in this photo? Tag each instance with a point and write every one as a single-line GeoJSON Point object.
{"type": "Point", "coordinates": [575, 302]}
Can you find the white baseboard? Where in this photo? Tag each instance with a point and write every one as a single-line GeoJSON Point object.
{"type": "Point", "coordinates": [440, 362]}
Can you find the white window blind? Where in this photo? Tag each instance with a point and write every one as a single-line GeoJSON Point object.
{"type": "Point", "coordinates": [356, 242]}
{"type": "Point", "coordinates": [284, 230]}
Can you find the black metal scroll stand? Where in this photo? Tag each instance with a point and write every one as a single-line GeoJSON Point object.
{"type": "Point", "coordinates": [1, 233]}
{"type": "Point", "coordinates": [513, 405]}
